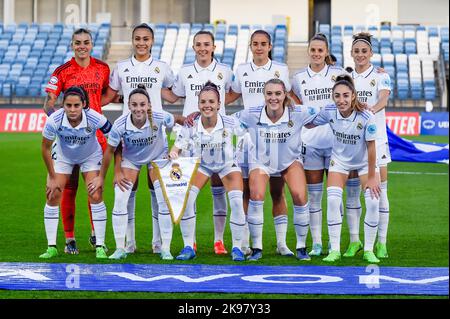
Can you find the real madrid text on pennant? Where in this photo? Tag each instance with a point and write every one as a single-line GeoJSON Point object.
{"type": "Point", "coordinates": [176, 179]}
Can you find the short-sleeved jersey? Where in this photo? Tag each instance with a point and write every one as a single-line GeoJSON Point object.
{"type": "Point", "coordinates": [250, 80]}
{"type": "Point", "coordinates": [192, 77]}
{"type": "Point", "coordinates": [145, 144]}
{"type": "Point", "coordinates": [274, 145]}
{"type": "Point", "coordinates": [153, 73]}
{"type": "Point", "coordinates": [94, 79]}
{"type": "Point", "coordinates": [350, 134]}
{"type": "Point", "coordinates": [368, 86]}
{"type": "Point", "coordinates": [76, 144]}
{"type": "Point", "coordinates": [215, 149]}
{"type": "Point", "coordinates": [315, 90]}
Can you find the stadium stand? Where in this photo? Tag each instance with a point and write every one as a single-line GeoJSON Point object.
{"type": "Point", "coordinates": [30, 53]}
{"type": "Point", "coordinates": [409, 54]}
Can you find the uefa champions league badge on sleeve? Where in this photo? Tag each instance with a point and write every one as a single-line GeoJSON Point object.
{"type": "Point", "coordinates": [176, 179]}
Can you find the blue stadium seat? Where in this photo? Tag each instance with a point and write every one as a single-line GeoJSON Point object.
{"type": "Point", "coordinates": [410, 47]}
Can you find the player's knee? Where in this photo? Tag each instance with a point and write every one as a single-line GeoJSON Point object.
{"type": "Point", "coordinates": [96, 197]}
{"type": "Point", "coordinates": [299, 197]}
{"type": "Point", "coordinates": [256, 195]}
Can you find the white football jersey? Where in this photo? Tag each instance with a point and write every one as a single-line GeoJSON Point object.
{"type": "Point", "coordinates": [192, 77]}
{"type": "Point", "coordinates": [368, 85]}
{"type": "Point", "coordinates": [315, 90]}
{"type": "Point", "coordinates": [215, 149]}
{"type": "Point", "coordinates": [274, 145]}
{"type": "Point", "coordinates": [145, 144]}
{"type": "Point", "coordinates": [153, 73]}
{"type": "Point", "coordinates": [76, 144]}
{"type": "Point", "coordinates": [250, 80]}
{"type": "Point", "coordinates": [350, 135]}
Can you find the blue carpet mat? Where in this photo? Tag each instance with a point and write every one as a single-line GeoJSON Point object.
{"type": "Point", "coordinates": [371, 280]}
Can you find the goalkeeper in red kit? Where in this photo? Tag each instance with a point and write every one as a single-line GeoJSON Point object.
{"type": "Point", "coordinates": [93, 76]}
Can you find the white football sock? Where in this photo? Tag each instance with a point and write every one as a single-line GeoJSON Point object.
{"type": "Point", "coordinates": [255, 219]}
{"type": "Point", "coordinates": [334, 218]}
{"type": "Point", "coordinates": [315, 211]}
{"type": "Point", "coordinates": [301, 223]}
{"type": "Point", "coordinates": [281, 225]}
{"type": "Point", "coordinates": [384, 214]}
{"type": "Point", "coordinates": [131, 206]}
{"type": "Point", "coordinates": [237, 217]}
{"type": "Point", "coordinates": [156, 234]}
{"type": "Point", "coordinates": [187, 223]}
{"type": "Point", "coordinates": [51, 219]}
{"type": "Point", "coordinates": [99, 220]}
{"type": "Point", "coordinates": [371, 220]}
{"type": "Point", "coordinates": [219, 211]}
{"type": "Point", "coordinates": [120, 215]}
{"type": "Point", "coordinates": [353, 206]}
{"type": "Point", "coordinates": [164, 218]}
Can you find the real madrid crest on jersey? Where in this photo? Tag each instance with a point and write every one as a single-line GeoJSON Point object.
{"type": "Point", "coordinates": [88, 129]}
{"type": "Point", "coordinates": [175, 172]}
{"type": "Point", "coordinates": [220, 76]}
{"type": "Point", "coordinates": [157, 70]}
{"type": "Point", "coordinates": [277, 74]}
{"type": "Point", "coordinates": [333, 78]}
{"type": "Point", "coordinates": [225, 133]}
{"type": "Point", "coordinates": [331, 163]}
{"type": "Point", "coordinates": [290, 123]}
{"type": "Point", "coordinates": [373, 82]}
{"type": "Point", "coordinates": [360, 126]}
{"type": "Point", "coordinates": [154, 128]}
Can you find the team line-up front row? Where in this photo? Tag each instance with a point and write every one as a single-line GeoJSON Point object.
{"type": "Point", "coordinates": [270, 145]}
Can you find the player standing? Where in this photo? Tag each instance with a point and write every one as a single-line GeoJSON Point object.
{"type": "Point", "coordinates": [249, 83]}
{"type": "Point", "coordinates": [275, 148]}
{"type": "Point", "coordinates": [93, 76]}
{"type": "Point", "coordinates": [313, 86]}
{"type": "Point", "coordinates": [75, 126]}
{"type": "Point", "coordinates": [188, 84]}
{"type": "Point", "coordinates": [355, 132]}
{"type": "Point", "coordinates": [141, 67]}
{"type": "Point", "coordinates": [373, 89]}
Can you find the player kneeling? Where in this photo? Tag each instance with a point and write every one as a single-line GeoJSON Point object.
{"type": "Point", "coordinates": [144, 140]}
{"type": "Point", "coordinates": [75, 125]}
{"type": "Point", "coordinates": [212, 138]}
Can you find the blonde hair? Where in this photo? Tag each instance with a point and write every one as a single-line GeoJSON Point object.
{"type": "Point", "coordinates": [287, 99]}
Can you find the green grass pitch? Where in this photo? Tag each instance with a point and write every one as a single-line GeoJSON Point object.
{"type": "Point", "coordinates": [418, 231]}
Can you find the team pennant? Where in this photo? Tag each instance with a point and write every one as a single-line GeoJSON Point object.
{"type": "Point", "coordinates": [175, 178]}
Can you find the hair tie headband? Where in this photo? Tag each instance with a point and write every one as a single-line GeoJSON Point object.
{"type": "Point", "coordinates": [362, 40]}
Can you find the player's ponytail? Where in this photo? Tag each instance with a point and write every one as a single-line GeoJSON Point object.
{"type": "Point", "coordinates": [210, 86]}
{"type": "Point", "coordinates": [267, 35]}
{"type": "Point", "coordinates": [345, 79]}
{"type": "Point", "coordinates": [77, 91]}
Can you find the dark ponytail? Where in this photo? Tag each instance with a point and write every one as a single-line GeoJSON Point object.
{"type": "Point", "coordinates": [345, 79]}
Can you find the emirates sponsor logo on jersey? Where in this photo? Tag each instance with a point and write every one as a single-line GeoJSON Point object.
{"type": "Point", "coordinates": [317, 94]}
{"type": "Point", "coordinates": [345, 138]}
{"type": "Point", "coordinates": [254, 86]}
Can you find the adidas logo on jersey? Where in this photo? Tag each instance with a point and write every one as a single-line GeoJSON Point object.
{"type": "Point", "coordinates": [383, 157]}
{"type": "Point", "coordinates": [190, 76]}
{"type": "Point", "coordinates": [245, 74]}
{"type": "Point", "coordinates": [303, 82]}
{"type": "Point", "coordinates": [126, 70]}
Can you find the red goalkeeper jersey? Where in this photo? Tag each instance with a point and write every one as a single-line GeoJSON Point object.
{"type": "Point", "coordinates": [94, 79]}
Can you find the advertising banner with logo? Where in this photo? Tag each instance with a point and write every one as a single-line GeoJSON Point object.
{"type": "Point", "coordinates": [22, 120]}
{"type": "Point", "coordinates": [403, 123]}
{"type": "Point", "coordinates": [434, 123]}
{"type": "Point", "coordinates": [175, 178]}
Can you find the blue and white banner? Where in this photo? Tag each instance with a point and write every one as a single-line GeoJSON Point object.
{"type": "Point", "coordinates": [434, 123]}
{"type": "Point", "coordinates": [404, 150]}
{"type": "Point", "coordinates": [370, 280]}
